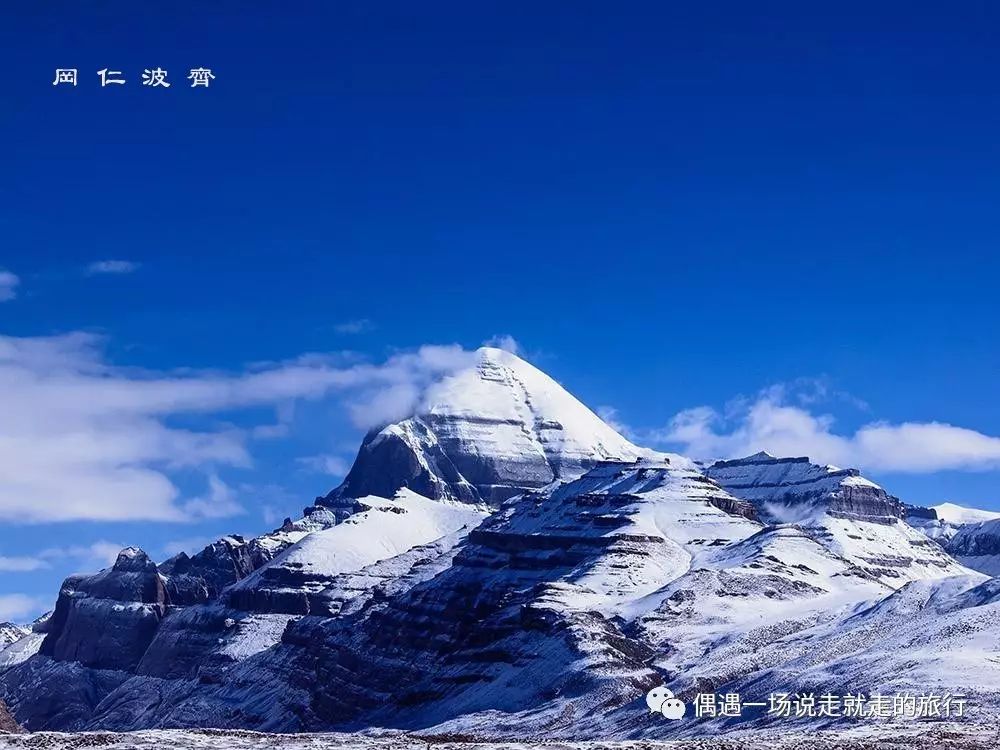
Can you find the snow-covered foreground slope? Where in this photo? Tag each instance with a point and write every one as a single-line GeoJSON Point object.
{"type": "Point", "coordinates": [951, 735]}
{"type": "Point", "coordinates": [930, 637]}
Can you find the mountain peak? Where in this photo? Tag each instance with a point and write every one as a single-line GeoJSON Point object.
{"type": "Point", "coordinates": [962, 514]}
{"type": "Point", "coordinates": [484, 433]}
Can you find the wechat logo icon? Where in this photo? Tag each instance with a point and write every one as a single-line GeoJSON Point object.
{"type": "Point", "coordinates": [662, 701]}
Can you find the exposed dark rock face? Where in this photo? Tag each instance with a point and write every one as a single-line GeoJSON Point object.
{"type": "Point", "coordinates": [197, 579]}
{"type": "Point", "coordinates": [7, 723]}
{"type": "Point", "coordinates": [402, 456]}
{"type": "Point", "coordinates": [107, 620]}
{"type": "Point", "coordinates": [916, 512]}
{"type": "Point", "coordinates": [110, 620]}
{"type": "Point", "coordinates": [977, 539]}
{"type": "Point", "coordinates": [978, 546]}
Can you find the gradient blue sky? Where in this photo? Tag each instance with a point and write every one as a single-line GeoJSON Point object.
{"type": "Point", "coordinates": [667, 207]}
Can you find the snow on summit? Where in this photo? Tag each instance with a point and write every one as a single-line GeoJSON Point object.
{"type": "Point", "coordinates": [959, 515]}
{"type": "Point", "coordinates": [526, 409]}
{"type": "Point", "coordinates": [483, 434]}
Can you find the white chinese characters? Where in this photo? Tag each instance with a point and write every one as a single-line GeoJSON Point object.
{"type": "Point", "coordinates": [661, 700]}
{"type": "Point", "coordinates": [828, 705]}
{"type": "Point", "coordinates": [200, 77]}
{"type": "Point", "coordinates": [109, 77]}
{"type": "Point", "coordinates": [151, 77]}
{"type": "Point", "coordinates": [155, 77]}
{"type": "Point", "coordinates": [65, 75]}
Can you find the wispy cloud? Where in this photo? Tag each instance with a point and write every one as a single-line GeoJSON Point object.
{"type": "Point", "coordinates": [218, 502]}
{"type": "Point", "coordinates": [19, 607]}
{"type": "Point", "coordinates": [332, 465]}
{"type": "Point", "coordinates": [349, 327]}
{"type": "Point", "coordinates": [85, 557]}
{"type": "Point", "coordinates": [21, 564]}
{"type": "Point", "coordinates": [112, 266]}
{"type": "Point", "coordinates": [782, 424]}
{"type": "Point", "coordinates": [83, 439]}
{"type": "Point", "coordinates": [504, 341]}
{"type": "Point", "coordinates": [9, 283]}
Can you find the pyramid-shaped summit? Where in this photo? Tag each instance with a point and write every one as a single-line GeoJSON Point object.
{"type": "Point", "coordinates": [483, 434]}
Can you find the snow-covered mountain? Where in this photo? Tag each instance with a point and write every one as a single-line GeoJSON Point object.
{"type": "Point", "coordinates": [851, 516]}
{"type": "Point", "coordinates": [504, 563]}
{"type": "Point", "coordinates": [970, 535]}
{"type": "Point", "coordinates": [960, 515]}
{"type": "Point", "coordinates": [941, 522]}
{"type": "Point", "coordinates": [484, 434]}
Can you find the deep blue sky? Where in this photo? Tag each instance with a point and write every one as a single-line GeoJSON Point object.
{"type": "Point", "coordinates": [667, 207]}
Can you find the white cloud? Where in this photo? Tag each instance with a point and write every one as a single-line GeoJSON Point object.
{"type": "Point", "coordinates": [504, 341]}
{"type": "Point", "coordinates": [335, 466]}
{"type": "Point", "coordinates": [396, 390]}
{"type": "Point", "coordinates": [8, 285]}
{"type": "Point", "coordinates": [112, 266]}
{"type": "Point", "coordinates": [21, 564]}
{"type": "Point", "coordinates": [219, 502]}
{"type": "Point", "coordinates": [385, 405]}
{"type": "Point", "coordinates": [361, 325]}
{"type": "Point", "coordinates": [770, 423]}
{"type": "Point", "coordinates": [83, 439]}
{"type": "Point", "coordinates": [19, 607]}
{"type": "Point", "coordinates": [99, 554]}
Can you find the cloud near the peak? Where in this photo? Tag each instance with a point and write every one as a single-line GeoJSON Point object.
{"type": "Point", "coordinates": [506, 342]}
{"type": "Point", "coordinates": [83, 439]}
{"type": "Point", "coordinates": [773, 424]}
